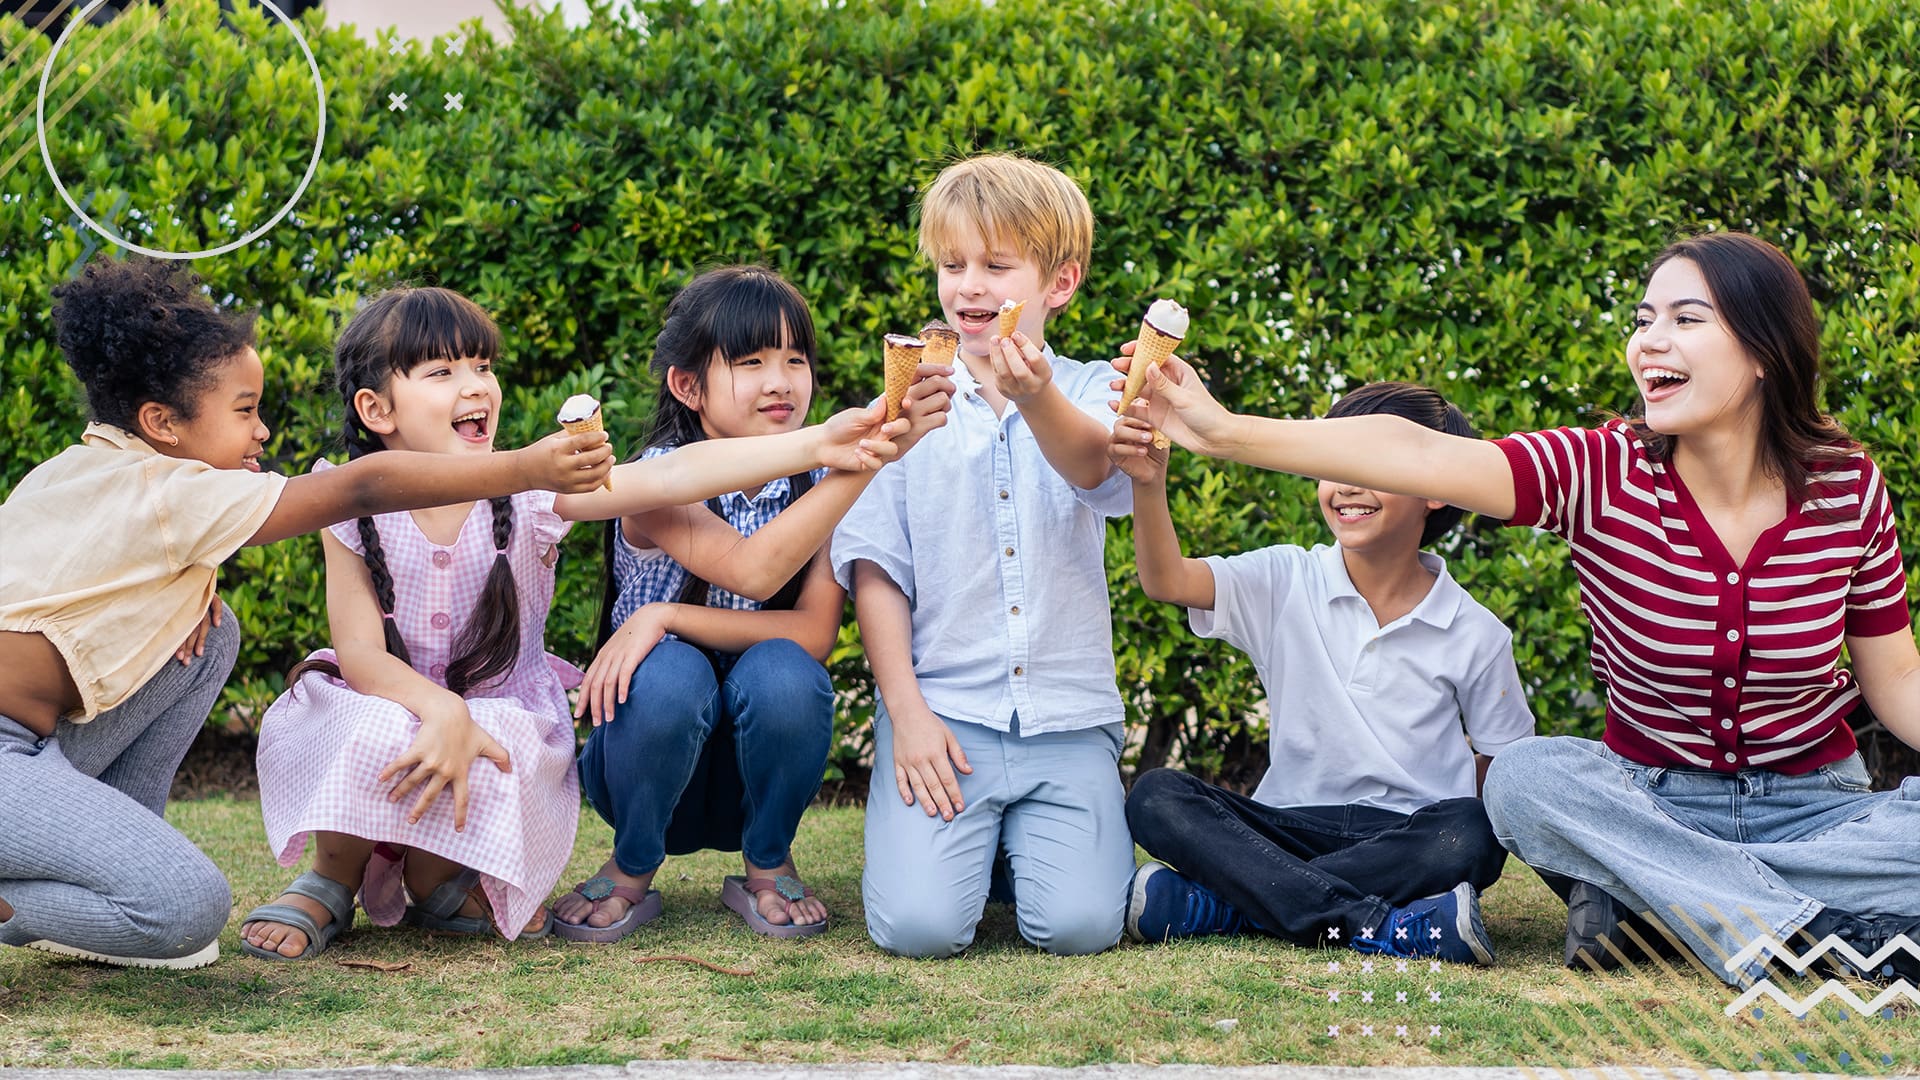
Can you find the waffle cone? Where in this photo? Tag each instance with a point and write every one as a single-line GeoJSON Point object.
{"type": "Point", "coordinates": [1153, 347]}
{"type": "Point", "coordinates": [581, 427]}
{"type": "Point", "coordinates": [942, 343]}
{"type": "Point", "coordinates": [902, 359]}
{"type": "Point", "coordinates": [1010, 319]}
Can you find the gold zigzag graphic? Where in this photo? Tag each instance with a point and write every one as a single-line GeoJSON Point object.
{"type": "Point", "coordinates": [1779, 950]}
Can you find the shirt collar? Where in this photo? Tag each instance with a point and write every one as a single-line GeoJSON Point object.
{"type": "Point", "coordinates": [775, 488]}
{"type": "Point", "coordinates": [1437, 609]}
{"type": "Point", "coordinates": [98, 434]}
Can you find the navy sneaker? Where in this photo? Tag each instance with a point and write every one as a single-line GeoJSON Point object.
{"type": "Point", "coordinates": [1445, 927]}
{"type": "Point", "coordinates": [1162, 905]}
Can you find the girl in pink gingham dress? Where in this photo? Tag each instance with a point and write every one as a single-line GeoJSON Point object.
{"type": "Point", "coordinates": [439, 615]}
{"type": "Point", "coordinates": [323, 746]}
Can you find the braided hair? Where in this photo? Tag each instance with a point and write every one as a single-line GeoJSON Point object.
{"type": "Point", "coordinates": [388, 336]}
{"type": "Point", "coordinates": [720, 316]}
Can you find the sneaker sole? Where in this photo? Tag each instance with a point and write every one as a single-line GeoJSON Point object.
{"type": "Point", "coordinates": [181, 963]}
{"type": "Point", "coordinates": [1472, 930]}
{"type": "Point", "coordinates": [1137, 900]}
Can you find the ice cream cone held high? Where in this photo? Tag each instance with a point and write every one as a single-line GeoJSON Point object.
{"type": "Point", "coordinates": [1161, 332]}
{"type": "Point", "coordinates": [903, 357]}
{"type": "Point", "coordinates": [579, 415]}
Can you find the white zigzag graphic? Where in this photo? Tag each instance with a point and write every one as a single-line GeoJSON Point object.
{"type": "Point", "coordinates": [1829, 989]}
{"type": "Point", "coordinates": [1767, 943]}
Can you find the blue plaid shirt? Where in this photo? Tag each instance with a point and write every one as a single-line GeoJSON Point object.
{"type": "Point", "coordinates": [652, 576]}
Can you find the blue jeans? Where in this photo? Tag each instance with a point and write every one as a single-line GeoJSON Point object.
{"type": "Point", "coordinates": [711, 751]}
{"type": "Point", "coordinates": [1719, 858]}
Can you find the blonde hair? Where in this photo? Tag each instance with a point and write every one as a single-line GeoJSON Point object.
{"type": "Point", "coordinates": [1007, 199]}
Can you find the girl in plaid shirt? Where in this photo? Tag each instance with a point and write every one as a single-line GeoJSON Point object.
{"type": "Point", "coordinates": [437, 619]}
{"type": "Point", "coordinates": [711, 705]}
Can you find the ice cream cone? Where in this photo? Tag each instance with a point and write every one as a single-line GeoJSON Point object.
{"type": "Point", "coordinates": [571, 418]}
{"type": "Point", "coordinates": [1010, 316]}
{"type": "Point", "coordinates": [1153, 347]}
{"type": "Point", "coordinates": [943, 342]}
{"type": "Point", "coordinates": [903, 356]}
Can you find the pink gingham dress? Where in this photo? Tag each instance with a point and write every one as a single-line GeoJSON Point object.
{"type": "Point", "coordinates": [322, 745]}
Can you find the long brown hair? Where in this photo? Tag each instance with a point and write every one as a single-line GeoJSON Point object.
{"type": "Point", "coordinates": [1766, 306]}
{"type": "Point", "coordinates": [388, 336]}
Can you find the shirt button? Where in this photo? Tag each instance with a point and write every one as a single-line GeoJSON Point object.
{"type": "Point", "coordinates": [1729, 682]}
{"type": "Point", "coordinates": [1003, 494]}
{"type": "Point", "coordinates": [1726, 725]}
{"type": "Point", "coordinates": [1019, 670]}
{"type": "Point", "coordinates": [440, 620]}
{"type": "Point", "coordinates": [1731, 757]}
{"type": "Point", "coordinates": [1003, 436]}
{"type": "Point", "coordinates": [1015, 609]}
{"type": "Point", "coordinates": [1733, 635]}
{"type": "Point", "coordinates": [437, 670]}
{"type": "Point", "coordinates": [1733, 579]}
{"type": "Point", "coordinates": [442, 560]}
{"type": "Point", "coordinates": [1009, 553]}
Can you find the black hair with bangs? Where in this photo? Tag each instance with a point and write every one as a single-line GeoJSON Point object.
{"type": "Point", "coordinates": [389, 335]}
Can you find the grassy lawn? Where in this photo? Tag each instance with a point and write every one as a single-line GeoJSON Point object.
{"type": "Point", "coordinates": [458, 1002]}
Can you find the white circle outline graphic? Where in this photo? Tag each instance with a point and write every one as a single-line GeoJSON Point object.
{"type": "Point", "coordinates": [40, 129]}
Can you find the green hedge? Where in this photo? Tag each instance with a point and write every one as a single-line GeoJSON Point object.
{"type": "Point", "coordinates": [1340, 190]}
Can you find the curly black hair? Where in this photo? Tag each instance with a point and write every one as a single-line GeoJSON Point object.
{"type": "Point", "coordinates": [142, 330]}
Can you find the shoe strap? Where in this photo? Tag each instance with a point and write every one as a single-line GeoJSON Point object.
{"type": "Point", "coordinates": [759, 885]}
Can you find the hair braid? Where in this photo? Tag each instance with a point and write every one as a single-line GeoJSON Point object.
{"type": "Point", "coordinates": [490, 642]}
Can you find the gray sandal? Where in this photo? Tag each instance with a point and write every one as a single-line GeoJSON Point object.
{"type": "Point", "coordinates": [335, 897]}
{"type": "Point", "coordinates": [440, 911]}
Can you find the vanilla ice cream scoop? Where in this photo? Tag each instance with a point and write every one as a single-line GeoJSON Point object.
{"type": "Point", "coordinates": [1168, 317]}
{"type": "Point", "coordinates": [578, 407]}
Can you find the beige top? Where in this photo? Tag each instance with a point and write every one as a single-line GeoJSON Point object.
{"type": "Point", "coordinates": [110, 549]}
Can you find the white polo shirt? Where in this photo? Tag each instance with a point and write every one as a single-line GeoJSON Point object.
{"type": "Point", "coordinates": [1359, 712]}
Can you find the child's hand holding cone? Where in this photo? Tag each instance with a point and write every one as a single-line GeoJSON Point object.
{"type": "Point", "coordinates": [581, 414]}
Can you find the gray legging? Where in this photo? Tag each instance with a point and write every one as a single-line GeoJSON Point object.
{"type": "Point", "coordinates": [85, 858]}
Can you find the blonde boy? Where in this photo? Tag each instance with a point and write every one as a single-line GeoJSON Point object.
{"type": "Point", "coordinates": [978, 578]}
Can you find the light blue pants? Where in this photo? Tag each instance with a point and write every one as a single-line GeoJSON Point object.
{"type": "Point", "coordinates": [1052, 802]}
{"type": "Point", "coordinates": [1719, 858]}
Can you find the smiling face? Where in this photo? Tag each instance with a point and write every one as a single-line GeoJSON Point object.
{"type": "Point", "coordinates": [978, 276]}
{"type": "Point", "coordinates": [1375, 523]}
{"type": "Point", "coordinates": [764, 392]}
{"type": "Point", "coordinates": [1693, 374]}
{"type": "Point", "coordinates": [437, 406]}
{"type": "Point", "coordinates": [225, 431]}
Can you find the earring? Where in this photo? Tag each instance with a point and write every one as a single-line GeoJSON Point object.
{"type": "Point", "coordinates": [173, 440]}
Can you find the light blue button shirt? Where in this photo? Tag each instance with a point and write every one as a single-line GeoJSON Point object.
{"type": "Point", "coordinates": [1003, 562]}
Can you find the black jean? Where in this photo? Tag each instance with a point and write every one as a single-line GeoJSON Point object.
{"type": "Point", "coordinates": [1297, 871]}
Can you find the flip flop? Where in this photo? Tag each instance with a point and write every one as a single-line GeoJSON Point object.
{"type": "Point", "coordinates": [335, 897]}
{"type": "Point", "coordinates": [641, 910]}
{"type": "Point", "coordinates": [440, 911]}
{"type": "Point", "coordinates": [739, 893]}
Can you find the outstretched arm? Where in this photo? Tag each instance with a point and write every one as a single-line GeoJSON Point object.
{"type": "Point", "coordinates": [1384, 453]}
{"type": "Point", "coordinates": [405, 480]}
{"type": "Point", "coordinates": [856, 440]}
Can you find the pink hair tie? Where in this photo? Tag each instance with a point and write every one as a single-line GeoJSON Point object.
{"type": "Point", "coordinates": [386, 614]}
{"type": "Point", "coordinates": [502, 552]}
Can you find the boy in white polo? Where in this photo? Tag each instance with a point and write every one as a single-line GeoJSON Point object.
{"type": "Point", "coordinates": [1366, 830]}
